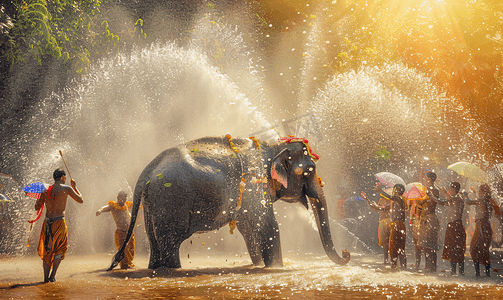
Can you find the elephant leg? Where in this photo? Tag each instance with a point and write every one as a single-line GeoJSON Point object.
{"type": "Point", "coordinates": [262, 241]}
{"type": "Point", "coordinates": [169, 237]}
{"type": "Point", "coordinates": [170, 257]}
{"type": "Point", "coordinates": [155, 254]}
{"type": "Point", "coordinates": [271, 245]}
{"type": "Point", "coordinates": [251, 241]}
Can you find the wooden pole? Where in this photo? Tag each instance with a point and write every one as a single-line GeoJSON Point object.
{"type": "Point", "coordinates": [61, 153]}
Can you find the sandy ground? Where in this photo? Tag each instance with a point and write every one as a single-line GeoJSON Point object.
{"type": "Point", "coordinates": [225, 277]}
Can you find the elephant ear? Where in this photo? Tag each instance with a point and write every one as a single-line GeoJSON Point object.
{"type": "Point", "coordinates": [281, 167]}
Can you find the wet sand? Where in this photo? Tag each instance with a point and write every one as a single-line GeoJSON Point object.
{"type": "Point", "coordinates": [224, 277]}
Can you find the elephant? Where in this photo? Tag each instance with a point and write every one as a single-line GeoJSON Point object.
{"type": "Point", "coordinates": [210, 182]}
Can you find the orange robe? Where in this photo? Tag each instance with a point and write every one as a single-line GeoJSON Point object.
{"type": "Point", "coordinates": [120, 237]}
{"type": "Point", "coordinates": [58, 241]}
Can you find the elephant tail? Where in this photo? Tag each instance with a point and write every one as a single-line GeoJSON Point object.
{"type": "Point", "coordinates": [134, 214]}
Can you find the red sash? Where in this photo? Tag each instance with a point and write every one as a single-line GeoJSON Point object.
{"type": "Point", "coordinates": [39, 212]}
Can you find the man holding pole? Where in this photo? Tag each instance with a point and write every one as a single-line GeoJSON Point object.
{"type": "Point", "coordinates": [54, 236]}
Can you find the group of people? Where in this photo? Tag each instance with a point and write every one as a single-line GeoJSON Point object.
{"type": "Point", "coordinates": [425, 225]}
{"type": "Point", "coordinates": [53, 242]}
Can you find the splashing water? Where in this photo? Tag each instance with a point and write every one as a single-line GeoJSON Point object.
{"type": "Point", "coordinates": [376, 106]}
{"type": "Point", "coordinates": [126, 111]}
{"type": "Point", "coordinates": [131, 107]}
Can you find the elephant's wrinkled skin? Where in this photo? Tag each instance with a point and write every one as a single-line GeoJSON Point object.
{"type": "Point", "coordinates": [195, 187]}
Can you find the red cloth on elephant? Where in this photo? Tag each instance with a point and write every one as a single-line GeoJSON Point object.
{"type": "Point", "coordinates": [455, 242]}
{"type": "Point", "coordinates": [397, 240]}
{"type": "Point", "coordinates": [481, 240]}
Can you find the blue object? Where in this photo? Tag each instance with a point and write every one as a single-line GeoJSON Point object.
{"type": "Point", "coordinates": [34, 189]}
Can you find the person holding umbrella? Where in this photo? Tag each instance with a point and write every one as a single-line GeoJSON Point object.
{"type": "Point", "coordinates": [383, 231]}
{"type": "Point", "coordinates": [425, 225]}
{"type": "Point", "coordinates": [455, 234]}
{"type": "Point", "coordinates": [397, 226]}
{"type": "Point", "coordinates": [383, 207]}
{"type": "Point", "coordinates": [482, 236]}
{"type": "Point", "coordinates": [53, 241]}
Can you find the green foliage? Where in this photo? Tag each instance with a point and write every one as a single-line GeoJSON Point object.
{"type": "Point", "coordinates": [63, 29]}
{"type": "Point", "coordinates": [382, 154]}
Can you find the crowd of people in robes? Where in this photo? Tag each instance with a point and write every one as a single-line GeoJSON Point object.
{"type": "Point", "coordinates": [425, 225]}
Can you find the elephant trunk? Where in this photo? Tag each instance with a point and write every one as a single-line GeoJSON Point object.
{"type": "Point", "coordinates": [319, 205]}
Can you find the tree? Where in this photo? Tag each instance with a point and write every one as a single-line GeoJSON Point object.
{"type": "Point", "coordinates": [63, 29]}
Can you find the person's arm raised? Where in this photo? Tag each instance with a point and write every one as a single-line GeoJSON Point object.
{"type": "Point", "coordinates": [105, 208]}
{"type": "Point", "coordinates": [74, 193]}
{"type": "Point", "coordinates": [383, 193]}
{"type": "Point", "coordinates": [447, 196]}
{"type": "Point", "coordinates": [468, 201]}
{"type": "Point", "coordinates": [372, 204]}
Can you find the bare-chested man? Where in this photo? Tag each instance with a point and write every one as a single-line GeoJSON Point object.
{"type": "Point", "coordinates": [121, 217]}
{"type": "Point", "coordinates": [54, 236]}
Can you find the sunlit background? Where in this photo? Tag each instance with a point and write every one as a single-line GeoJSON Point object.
{"type": "Point", "coordinates": [374, 85]}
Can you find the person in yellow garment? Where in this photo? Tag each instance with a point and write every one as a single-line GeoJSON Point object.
{"type": "Point", "coordinates": [122, 216]}
{"type": "Point", "coordinates": [53, 241]}
{"type": "Point", "coordinates": [383, 231]}
{"type": "Point", "coordinates": [397, 227]}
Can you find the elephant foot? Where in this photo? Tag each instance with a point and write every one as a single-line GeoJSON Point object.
{"type": "Point", "coordinates": [153, 266]}
{"type": "Point", "coordinates": [169, 264]}
{"type": "Point", "coordinates": [161, 264]}
{"type": "Point", "coordinates": [276, 264]}
{"type": "Point", "coordinates": [154, 262]}
{"type": "Point", "coordinates": [259, 263]}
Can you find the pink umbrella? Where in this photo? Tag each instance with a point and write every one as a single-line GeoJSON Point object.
{"type": "Point", "coordinates": [415, 191]}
